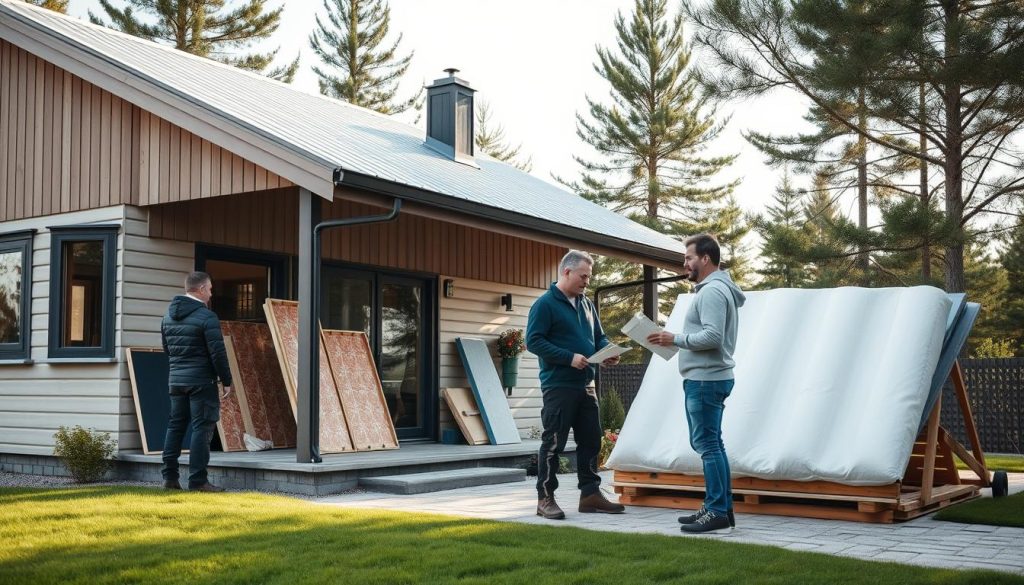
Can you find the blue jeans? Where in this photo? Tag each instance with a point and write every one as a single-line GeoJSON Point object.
{"type": "Point", "coordinates": [705, 403]}
{"type": "Point", "coordinates": [198, 406]}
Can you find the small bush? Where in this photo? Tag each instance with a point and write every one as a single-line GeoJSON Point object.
{"type": "Point", "coordinates": [86, 453]}
{"type": "Point", "coordinates": [563, 466]}
{"type": "Point", "coordinates": [613, 413]}
{"type": "Point", "coordinates": [608, 440]}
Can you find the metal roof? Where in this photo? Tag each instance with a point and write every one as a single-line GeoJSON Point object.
{"type": "Point", "coordinates": [329, 134]}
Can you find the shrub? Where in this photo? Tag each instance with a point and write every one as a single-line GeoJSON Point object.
{"type": "Point", "coordinates": [563, 466]}
{"type": "Point", "coordinates": [988, 347]}
{"type": "Point", "coordinates": [608, 440]}
{"type": "Point", "coordinates": [85, 453]}
{"type": "Point", "coordinates": [613, 413]}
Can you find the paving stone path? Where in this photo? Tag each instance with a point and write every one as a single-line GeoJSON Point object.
{"type": "Point", "coordinates": [923, 541]}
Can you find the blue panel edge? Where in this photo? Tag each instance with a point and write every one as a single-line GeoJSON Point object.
{"type": "Point", "coordinates": [476, 393]}
{"type": "Point", "coordinates": [954, 343]}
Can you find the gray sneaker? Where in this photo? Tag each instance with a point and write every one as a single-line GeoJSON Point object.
{"type": "Point", "coordinates": [709, 522]}
{"type": "Point", "coordinates": [692, 517]}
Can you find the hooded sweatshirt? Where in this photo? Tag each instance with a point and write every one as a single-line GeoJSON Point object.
{"type": "Point", "coordinates": [194, 344]}
{"type": "Point", "coordinates": [709, 331]}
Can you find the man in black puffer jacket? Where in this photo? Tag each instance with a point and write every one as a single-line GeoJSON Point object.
{"type": "Point", "coordinates": [195, 349]}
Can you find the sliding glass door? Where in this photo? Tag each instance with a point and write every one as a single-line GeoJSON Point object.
{"type": "Point", "coordinates": [397, 313]}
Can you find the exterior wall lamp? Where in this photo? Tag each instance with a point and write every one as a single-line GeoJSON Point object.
{"type": "Point", "coordinates": [506, 301]}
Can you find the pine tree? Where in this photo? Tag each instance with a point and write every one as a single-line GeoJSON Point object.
{"type": "Point", "coordinates": [987, 284]}
{"type": "Point", "coordinates": [650, 142]}
{"type": "Point", "coordinates": [490, 139]}
{"type": "Point", "coordinates": [972, 112]}
{"type": "Point", "coordinates": [204, 28]}
{"type": "Point", "coordinates": [1012, 304]}
{"type": "Point", "coordinates": [356, 67]}
{"type": "Point", "coordinates": [786, 240]}
{"type": "Point", "coordinates": [826, 266]}
{"type": "Point", "coordinates": [54, 5]}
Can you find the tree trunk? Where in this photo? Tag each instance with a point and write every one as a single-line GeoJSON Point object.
{"type": "Point", "coordinates": [926, 252]}
{"type": "Point", "coordinates": [954, 158]}
{"type": "Point", "coordinates": [862, 187]}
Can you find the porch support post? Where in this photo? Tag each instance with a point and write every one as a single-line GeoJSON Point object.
{"type": "Point", "coordinates": [307, 449]}
{"type": "Point", "coordinates": [650, 292]}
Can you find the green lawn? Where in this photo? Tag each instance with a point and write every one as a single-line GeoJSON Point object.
{"type": "Point", "coordinates": [1010, 463]}
{"type": "Point", "coordinates": [132, 535]}
{"type": "Point", "coordinates": [1008, 511]}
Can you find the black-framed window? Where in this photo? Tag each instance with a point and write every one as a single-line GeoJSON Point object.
{"type": "Point", "coordinates": [83, 274]}
{"type": "Point", "coordinates": [15, 295]}
{"type": "Point", "coordinates": [242, 280]}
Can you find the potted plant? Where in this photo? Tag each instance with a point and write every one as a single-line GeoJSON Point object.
{"type": "Point", "coordinates": [511, 343]}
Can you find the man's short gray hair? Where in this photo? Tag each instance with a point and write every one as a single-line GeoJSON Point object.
{"type": "Point", "coordinates": [195, 280]}
{"type": "Point", "coordinates": [573, 259]}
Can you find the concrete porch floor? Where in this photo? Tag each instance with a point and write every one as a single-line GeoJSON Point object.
{"type": "Point", "coordinates": [276, 470]}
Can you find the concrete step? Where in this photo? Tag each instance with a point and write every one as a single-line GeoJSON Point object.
{"type": "Point", "coordinates": [436, 481]}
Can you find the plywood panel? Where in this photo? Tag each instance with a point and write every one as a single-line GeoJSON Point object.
{"type": "Point", "coordinates": [466, 414]}
{"type": "Point", "coordinates": [231, 426]}
{"type": "Point", "coordinates": [360, 391]}
{"type": "Point", "coordinates": [283, 318]}
{"type": "Point", "coordinates": [257, 371]}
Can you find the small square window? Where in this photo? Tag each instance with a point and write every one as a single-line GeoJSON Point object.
{"type": "Point", "coordinates": [82, 281]}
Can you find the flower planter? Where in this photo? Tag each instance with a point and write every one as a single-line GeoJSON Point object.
{"type": "Point", "coordinates": [509, 373]}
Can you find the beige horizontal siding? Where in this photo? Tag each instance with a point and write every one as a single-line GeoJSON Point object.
{"type": "Point", "coordinates": [151, 273]}
{"type": "Point", "coordinates": [36, 399]}
{"type": "Point", "coordinates": [475, 311]}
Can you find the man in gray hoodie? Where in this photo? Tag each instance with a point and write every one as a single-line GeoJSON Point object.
{"type": "Point", "coordinates": [708, 341]}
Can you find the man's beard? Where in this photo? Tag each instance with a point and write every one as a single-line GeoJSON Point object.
{"type": "Point", "coordinates": [691, 276]}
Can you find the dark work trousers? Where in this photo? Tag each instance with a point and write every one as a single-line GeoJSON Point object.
{"type": "Point", "coordinates": [198, 406]}
{"type": "Point", "coordinates": [565, 409]}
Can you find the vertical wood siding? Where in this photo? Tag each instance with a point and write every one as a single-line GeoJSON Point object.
{"type": "Point", "coordinates": [67, 145]}
{"type": "Point", "coordinates": [268, 221]}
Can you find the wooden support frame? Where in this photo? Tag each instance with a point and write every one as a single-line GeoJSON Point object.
{"type": "Point", "coordinates": [930, 482]}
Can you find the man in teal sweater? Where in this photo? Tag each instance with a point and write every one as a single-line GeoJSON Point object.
{"type": "Point", "coordinates": [563, 329]}
{"type": "Point", "coordinates": [706, 364]}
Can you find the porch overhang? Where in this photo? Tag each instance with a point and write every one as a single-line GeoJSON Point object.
{"type": "Point", "coordinates": [380, 192]}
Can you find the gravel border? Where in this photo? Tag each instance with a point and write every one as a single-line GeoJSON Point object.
{"type": "Point", "coordinates": [27, 480]}
{"type": "Point", "coordinates": [9, 479]}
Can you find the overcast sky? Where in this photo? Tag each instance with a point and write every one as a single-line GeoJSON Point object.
{"type": "Point", "coordinates": [532, 60]}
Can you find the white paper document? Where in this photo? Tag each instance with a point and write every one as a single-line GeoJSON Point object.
{"type": "Point", "coordinates": [607, 352]}
{"type": "Point", "coordinates": [639, 327]}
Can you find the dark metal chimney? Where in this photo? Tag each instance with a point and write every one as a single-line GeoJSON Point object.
{"type": "Point", "coordinates": [450, 118]}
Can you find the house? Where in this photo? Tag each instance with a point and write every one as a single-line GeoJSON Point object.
{"type": "Point", "coordinates": [125, 164]}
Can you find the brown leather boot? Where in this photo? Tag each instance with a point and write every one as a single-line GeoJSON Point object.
{"type": "Point", "coordinates": [547, 508]}
{"type": "Point", "coordinates": [596, 502]}
{"type": "Point", "coordinates": [171, 484]}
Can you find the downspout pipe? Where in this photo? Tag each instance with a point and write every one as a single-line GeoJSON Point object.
{"type": "Point", "coordinates": [314, 354]}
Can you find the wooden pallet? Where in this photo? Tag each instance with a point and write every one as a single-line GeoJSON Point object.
{"type": "Point", "coordinates": [930, 482]}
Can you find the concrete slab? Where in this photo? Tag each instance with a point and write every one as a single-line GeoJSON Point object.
{"type": "Point", "coordinates": [437, 481]}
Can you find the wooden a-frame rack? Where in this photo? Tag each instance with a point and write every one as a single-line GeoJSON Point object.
{"type": "Point", "coordinates": [930, 482]}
